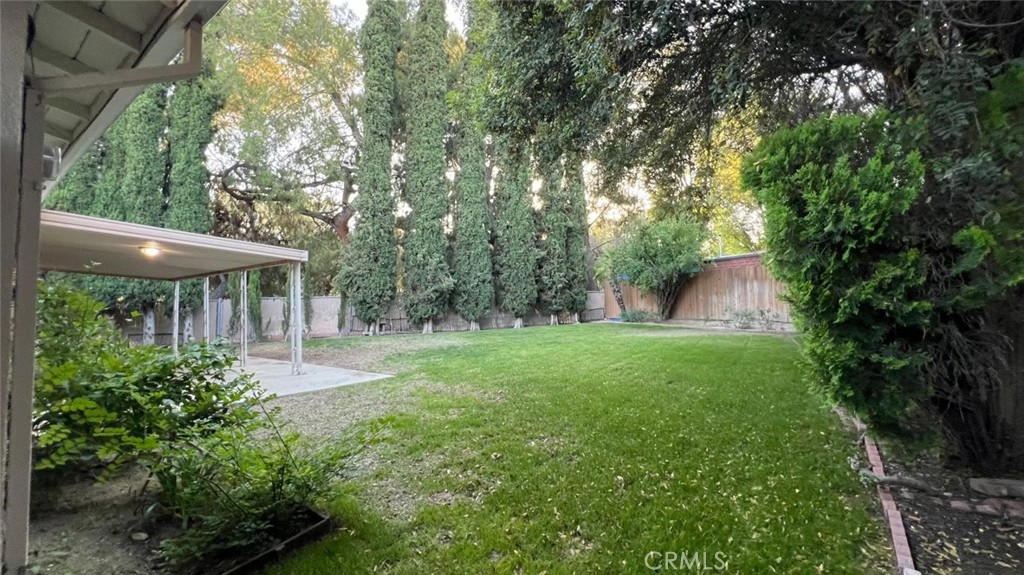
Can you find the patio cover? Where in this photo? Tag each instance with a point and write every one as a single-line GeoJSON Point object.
{"type": "Point", "coordinates": [84, 244]}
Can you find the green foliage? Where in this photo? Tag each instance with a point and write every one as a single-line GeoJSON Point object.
{"type": "Point", "coordinates": [76, 192]}
{"type": "Point", "coordinates": [835, 192]}
{"type": "Point", "coordinates": [368, 271]}
{"type": "Point", "coordinates": [657, 257]}
{"type": "Point", "coordinates": [553, 232]}
{"type": "Point", "coordinates": [190, 128]}
{"type": "Point", "coordinates": [474, 280]}
{"type": "Point", "coordinates": [901, 243]}
{"type": "Point", "coordinates": [255, 300]}
{"type": "Point", "coordinates": [515, 255]}
{"type": "Point", "coordinates": [639, 316]}
{"type": "Point", "coordinates": [427, 280]}
{"type": "Point", "coordinates": [225, 470]}
{"type": "Point", "coordinates": [241, 489]}
{"type": "Point", "coordinates": [743, 318]}
{"type": "Point", "coordinates": [101, 402]}
{"type": "Point", "coordinates": [143, 182]}
{"type": "Point", "coordinates": [562, 265]}
{"type": "Point", "coordinates": [575, 295]}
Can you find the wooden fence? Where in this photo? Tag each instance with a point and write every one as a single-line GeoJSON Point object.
{"type": "Point", "coordinates": [727, 288]}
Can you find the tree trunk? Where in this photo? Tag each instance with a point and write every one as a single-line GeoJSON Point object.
{"type": "Point", "coordinates": [554, 319]}
{"type": "Point", "coordinates": [576, 317]}
{"type": "Point", "coordinates": [428, 326]}
{"type": "Point", "coordinates": [188, 335]}
{"type": "Point", "coordinates": [617, 292]}
{"type": "Point", "coordinates": [1005, 405]}
{"type": "Point", "coordinates": [474, 326]}
{"type": "Point", "coordinates": [518, 324]}
{"type": "Point", "coordinates": [149, 327]}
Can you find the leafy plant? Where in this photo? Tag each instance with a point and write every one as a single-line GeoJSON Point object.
{"type": "Point", "coordinates": [766, 318]}
{"type": "Point", "coordinates": [225, 469]}
{"type": "Point", "coordinates": [744, 318]}
{"type": "Point", "coordinates": [241, 488]}
{"type": "Point", "coordinates": [835, 191]}
{"type": "Point", "coordinates": [657, 257]}
{"type": "Point", "coordinates": [101, 402]}
{"type": "Point", "coordinates": [639, 315]}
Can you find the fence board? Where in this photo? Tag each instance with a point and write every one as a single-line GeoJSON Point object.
{"type": "Point", "coordinates": [725, 286]}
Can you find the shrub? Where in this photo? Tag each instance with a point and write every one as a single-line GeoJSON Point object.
{"type": "Point", "coordinates": [241, 489]}
{"type": "Point", "coordinates": [657, 257]}
{"type": "Point", "coordinates": [639, 315]}
{"type": "Point", "coordinates": [900, 243]}
{"type": "Point", "coordinates": [224, 469]}
{"type": "Point", "coordinates": [834, 192]}
{"type": "Point", "coordinates": [743, 318]}
{"type": "Point", "coordinates": [101, 402]}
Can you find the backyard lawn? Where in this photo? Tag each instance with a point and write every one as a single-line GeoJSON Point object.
{"type": "Point", "coordinates": [583, 449]}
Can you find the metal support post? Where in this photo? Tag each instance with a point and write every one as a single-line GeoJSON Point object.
{"type": "Point", "coordinates": [177, 314]}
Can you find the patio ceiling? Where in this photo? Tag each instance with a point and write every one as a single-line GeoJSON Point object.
{"type": "Point", "coordinates": [84, 244]}
{"type": "Point", "coordinates": [76, 38]}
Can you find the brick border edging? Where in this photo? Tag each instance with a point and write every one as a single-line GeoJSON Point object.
{"type": "Point", "coordinates": [900, 543]}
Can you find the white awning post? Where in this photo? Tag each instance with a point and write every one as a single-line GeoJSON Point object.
{"type": "Point", "coordinates": [19, 441]}
{"type": "Point", "coordinates": [297, 318]}
{"type": "Point", "coordinates": [243, 317]}
{"type": "Point", "coordinates": [206, 309]}
{"type": "Point", "coordinates": [177, 313]}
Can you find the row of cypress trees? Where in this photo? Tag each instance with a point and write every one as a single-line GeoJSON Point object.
{"type": "Point", "coordinates": [149, 168]}
{"type": "Point", "coordinates": [503, 249]}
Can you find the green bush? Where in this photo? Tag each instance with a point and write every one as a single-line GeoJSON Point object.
{"type": "Point", "coordinates": [657, 257]}
{"type": "Point", "coordinates": [743, 318]}
{"type": "Point", "coordinates": [100, 402]}
{"type": "Point", "coordinates": [639, 315]}
{"type": "Point", "coordinates": [241, 489]}
{"type": "Point", "coordinates": [834, 190]}
{"type": "Point", "coordinates": [224, 469]}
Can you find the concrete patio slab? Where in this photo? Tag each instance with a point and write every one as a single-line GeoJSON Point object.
{"type": "Point", "coordinates": [276, 376]}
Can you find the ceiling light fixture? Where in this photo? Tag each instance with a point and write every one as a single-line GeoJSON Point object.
{"type": "Point", "coordinates": [149, 251]}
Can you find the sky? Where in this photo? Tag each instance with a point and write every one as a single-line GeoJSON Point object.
{"type": "Point", "coordinates": [358, 7]}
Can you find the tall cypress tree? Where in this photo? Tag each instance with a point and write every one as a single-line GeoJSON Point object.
{"type": "Point", "coordinates": [92, 188]}
{"type": "Point", "coordinates": [428, 281]}
{"type": "Point", "coordinates": [368, 272]}
{"type": "Point", "coordinates": [76, 191]}
{"type": "Point", "coordinates": [574, 297]}
{"type": "Point", "coordinates": [143, 190]}
{"type": "Point", "coordinates": [552, 265]}
{"type": "Point", "coordinates": [515, 254]}
{"type": "Point", "coordinates": [190, 117]}
{"type": "Point", "coordinates": [474, 279]}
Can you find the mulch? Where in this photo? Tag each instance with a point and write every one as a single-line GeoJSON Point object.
{"type": "Point", "coordinates": [957, 531]}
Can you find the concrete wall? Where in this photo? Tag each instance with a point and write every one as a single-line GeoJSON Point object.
{"type": "Point", "coordinates": [325, 322]}
{"type": "Point", "coordinates": [220, 318]}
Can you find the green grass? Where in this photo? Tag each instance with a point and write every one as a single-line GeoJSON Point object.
{"type": "Point", "coordinates": [579, 449]}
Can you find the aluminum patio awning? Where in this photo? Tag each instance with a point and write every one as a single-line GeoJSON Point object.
{"type": "Point", "coordinates": [84, 244]}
